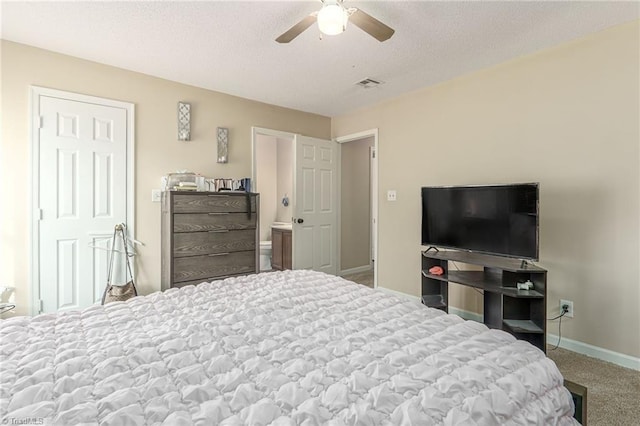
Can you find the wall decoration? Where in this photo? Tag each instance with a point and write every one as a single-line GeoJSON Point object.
{"type": "Point", "coordinates": [223, 145]}
{"type": "Point", "coordinates": [184, 121]}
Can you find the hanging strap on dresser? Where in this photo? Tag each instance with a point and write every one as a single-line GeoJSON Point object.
{"type": "Point", "coordinates": [248, 195]}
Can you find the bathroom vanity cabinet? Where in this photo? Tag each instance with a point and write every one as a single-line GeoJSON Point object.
{"type": "Point", "coordinates": [280, 248]}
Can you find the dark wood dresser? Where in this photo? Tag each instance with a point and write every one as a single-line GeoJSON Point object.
{"type": "Point", "coordinates": [208, 236]}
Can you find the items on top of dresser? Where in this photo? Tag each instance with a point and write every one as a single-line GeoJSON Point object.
{"type": "Point", "coordinates": [183, 181]}
{"type": "Point", "coordinates": [222, 184]}
{"type": "Point", "coordinates": [189, 181]}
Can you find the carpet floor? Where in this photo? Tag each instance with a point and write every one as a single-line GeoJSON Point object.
{"type": "Point", "coordinates": [612, 391]}
{"type": "Point", "coordinates": [364, 278]}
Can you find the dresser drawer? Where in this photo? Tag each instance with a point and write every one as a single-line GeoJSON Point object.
{"type": "Point", "coordinates": [195, 222]}
{"type": "Point", "coordinates": [207, 267]}
{"type": "Point", "coordinates": [212, 242]}
{"type": "Point", "coordinates": [213, 203]}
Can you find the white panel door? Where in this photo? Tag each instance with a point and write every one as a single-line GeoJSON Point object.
{"type": "Point", "coordinates": [82, 195]}
{"type": "Point", "coordinates": [315, 217]}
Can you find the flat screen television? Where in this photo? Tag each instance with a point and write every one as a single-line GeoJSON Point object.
{"type": "Point", "coordinates": [494, 219]}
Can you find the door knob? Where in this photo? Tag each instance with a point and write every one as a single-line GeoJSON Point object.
{"type": "Point", "coordinates": [299, 220]}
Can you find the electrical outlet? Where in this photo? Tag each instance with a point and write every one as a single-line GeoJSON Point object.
{"type": "Point", "coordinates": [569, 303]}
{"type": "Point", "coordinates": [391, 195]}
{"type": "Point", "coordinates": [156, 195]}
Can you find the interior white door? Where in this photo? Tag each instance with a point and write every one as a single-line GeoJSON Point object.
{"type": "Point", "coordinates": [82, 195]}
{"type": "Point", "coordinates": [315, 214]}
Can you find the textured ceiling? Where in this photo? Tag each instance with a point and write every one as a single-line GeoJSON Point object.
{"type": "Point", "coordinates": [229, 46]}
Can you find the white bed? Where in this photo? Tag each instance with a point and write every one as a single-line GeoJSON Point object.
{"type": "Point", "coordinates": [281, 348]}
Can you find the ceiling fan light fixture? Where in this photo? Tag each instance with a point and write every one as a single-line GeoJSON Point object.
{"type": "Point", "coordinates": [332, 18]}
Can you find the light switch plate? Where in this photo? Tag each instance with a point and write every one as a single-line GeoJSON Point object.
{"type": "Point", "coordinates": [391, 195]}
{"type": "Point", "coordinates": [156, 195]}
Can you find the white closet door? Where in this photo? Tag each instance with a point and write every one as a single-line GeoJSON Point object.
{"type": "Point", "coordinates": [83, 194]}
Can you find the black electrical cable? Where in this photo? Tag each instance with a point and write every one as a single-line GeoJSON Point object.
{"type": "Point", "coordinates": [564, 312]}
{"type": "Point", "coordinates": [559, 316]}
{"type": "Point", "coordinates": [559, 331]}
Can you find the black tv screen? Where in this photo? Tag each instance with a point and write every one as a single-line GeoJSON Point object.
{"type": "Point", "coordinates": [494, 219]}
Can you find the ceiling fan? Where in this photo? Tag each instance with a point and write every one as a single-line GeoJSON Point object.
{"type": "Point", "coordinates": [332, 19]}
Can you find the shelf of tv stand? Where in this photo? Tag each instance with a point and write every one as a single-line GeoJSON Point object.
{"type": "Point", "coordinates": [483, 281]}
{"type": "Point", "coordinates": [519, 312]}
{"type": "Point", "coordinates": [523, 326]}
{"type": "Point", "coordinates": [503, 263]}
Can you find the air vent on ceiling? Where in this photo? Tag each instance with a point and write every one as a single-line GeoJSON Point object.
{"type": "Point", "coordinates": [368, 83]}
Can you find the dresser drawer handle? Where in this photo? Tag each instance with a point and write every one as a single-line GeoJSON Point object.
{"type": "Point", "coordinates": [218, 254]}
{"type": "Point", "coordinates": [221, 231]}
{"type": "Point", "coordinates": [217, 214]}
{"type": "Point", "coordinates": [217, 195]}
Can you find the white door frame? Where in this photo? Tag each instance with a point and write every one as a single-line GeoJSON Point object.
{"type": "Point", "coordinates": [372, 194]}
{"type": "Point", "coordinates": [35, 213]}
{"type": "Point", "coordinates": [374, 190]}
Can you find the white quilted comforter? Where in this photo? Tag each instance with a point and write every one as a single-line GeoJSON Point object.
{"type": "Point", "coordinates": [282, 348]}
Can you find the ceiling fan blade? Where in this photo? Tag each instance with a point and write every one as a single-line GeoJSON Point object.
{"type": "Point", "coordinates": [371, 25]}
{"type": "Point", "coordinates": [297, 29]}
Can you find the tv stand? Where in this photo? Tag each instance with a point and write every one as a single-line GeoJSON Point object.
{"type": "Point", "coordinates": [522, 313]}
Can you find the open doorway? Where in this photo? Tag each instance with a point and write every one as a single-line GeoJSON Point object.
{"type": "Point", "coordinates": [308, 205]}
{"type": "Point", "coordinates": [273, 179]}
{"type": "Point", "coordinates": [358, 207]}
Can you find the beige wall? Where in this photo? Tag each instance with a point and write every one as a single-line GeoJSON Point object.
{"type": "Point", "coordinates": [274, 175]}
{"type": "Point", "coordinates": [567, 117]}
{"type": "Point", "coordinates": [355, 204]}
{"type": "Point", "coordinates": [266, 176]}
{"type": "Point", "coordinates": [156, 149]}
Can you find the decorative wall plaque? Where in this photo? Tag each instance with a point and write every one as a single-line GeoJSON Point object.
{"type": "Point", "coordinates": [184, 121]}
{"type": "Point", "coordinates": [223, 145]}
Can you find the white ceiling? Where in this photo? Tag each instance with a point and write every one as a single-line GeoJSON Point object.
{"type": "Point", "coordinates": [229, 46]}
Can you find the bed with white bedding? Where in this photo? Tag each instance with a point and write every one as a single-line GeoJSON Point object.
{"type": "Point", "coordinates": [281, 348]}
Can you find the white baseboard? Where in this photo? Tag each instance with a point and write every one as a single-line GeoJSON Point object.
{"type": "Point", "coordinates": [356, 270]}
{"type": "Point", "coordinates": [603, 354]}
{"type": "Point", "coordinates": [468, 315]}
{"type": "Point", "coordinates": [622, 360]}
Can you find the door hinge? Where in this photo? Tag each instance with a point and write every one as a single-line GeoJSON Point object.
{"type": "Point", "coordinates": [40, 214]}
{"type": "Point", "coordinates": [373, 153]}
{"type": "Point", "coordinates": [40, 122]}
{"type": "Point", "coordinates": [41, 307]}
